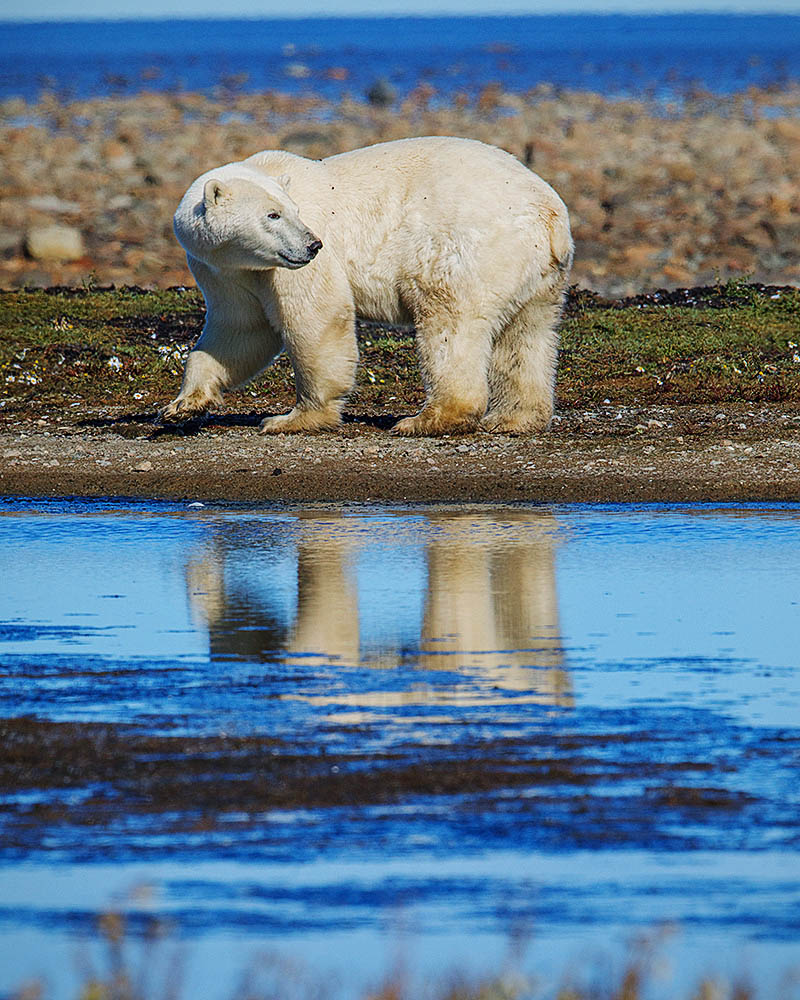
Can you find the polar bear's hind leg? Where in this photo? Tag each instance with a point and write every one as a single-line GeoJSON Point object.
{"type": "Point", "coordinates": [522, 370]}
{"type": "Point", "coordinates": [454, 359]}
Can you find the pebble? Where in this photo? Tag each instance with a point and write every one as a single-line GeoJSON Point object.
{"type": "Point", "coordinates": [143, 466]}
{"type": "Point", "coordinates": [10, 242]}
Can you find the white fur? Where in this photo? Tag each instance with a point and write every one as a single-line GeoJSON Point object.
{"type": "Point", "coordinates": [450, 234]}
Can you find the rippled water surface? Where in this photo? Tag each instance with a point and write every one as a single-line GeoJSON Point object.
{"type": "Point", "coordinates": [635, 55]}
{"type": "Point", "coordinates": [349, 735]}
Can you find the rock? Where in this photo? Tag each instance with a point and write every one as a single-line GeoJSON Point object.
{"type": "Point", "coordinates": [638, 256]}
{"type": "Point", "coordinates": [50, 203]}
{"type": "Point", "coordinates": [381, 94]}
{"type": "Point", "coordinates": [677, 273]}
{"type": "Point", "coordinates": [304, 137]}
{"type": "Point", "coordinates": [691, 197]}
{"type": "Point", "coordinates": [10, 243]}
{"type": "Point", "coordinates": [120, 202]}
{"type": "Point", "coordinates": [54, 243]}
{"type": "Point", "coordinates": [117, 156]}
{"type": "Point", "coordinates": [298, 71]}
{"type": "Point", "coordinates": [143, 466]}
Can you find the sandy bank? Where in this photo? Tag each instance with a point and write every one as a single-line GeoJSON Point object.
{"type": "Point", "coordinates": [741, 453]}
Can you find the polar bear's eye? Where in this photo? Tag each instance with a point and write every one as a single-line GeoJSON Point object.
{"type": "Point", "coordinates": [274, 215]}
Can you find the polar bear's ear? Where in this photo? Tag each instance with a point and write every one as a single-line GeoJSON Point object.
{"type": "Point", "coordinates": [215, 192]}
{"type": "Point", "coordinates": [285, 180]}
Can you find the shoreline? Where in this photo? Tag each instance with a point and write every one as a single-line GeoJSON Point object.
{"type": "Point", "coordinates": [691, 396]}
{"type": "Point", "coordinates": [582, 460]}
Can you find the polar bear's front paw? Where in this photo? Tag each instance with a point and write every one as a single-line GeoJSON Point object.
{"type": "Point", "coordinates": [300, 421]}
{"type": "Point", "coordinates": [180, 411]}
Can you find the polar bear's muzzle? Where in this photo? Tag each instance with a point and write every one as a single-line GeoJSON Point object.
{"type": "Point", "coordinates": [311, 251]}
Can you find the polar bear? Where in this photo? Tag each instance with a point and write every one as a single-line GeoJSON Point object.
{"type": "Point", "coordinates": [452, 235]}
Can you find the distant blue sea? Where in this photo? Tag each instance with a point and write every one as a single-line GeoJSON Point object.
{"type": "Point", "coordinates": [659, 55]}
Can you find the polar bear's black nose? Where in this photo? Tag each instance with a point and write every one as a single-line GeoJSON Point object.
{"type": "Point", "coordinates": [314, 248]}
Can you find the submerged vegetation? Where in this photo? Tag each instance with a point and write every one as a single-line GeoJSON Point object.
{"type": "Point", "coordinates": [148, 967]}
{"type": "Point", "coordinates": [126, 347]}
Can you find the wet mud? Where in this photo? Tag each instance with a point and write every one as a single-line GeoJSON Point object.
{"type": "Point", "coordinates": [745, 452]}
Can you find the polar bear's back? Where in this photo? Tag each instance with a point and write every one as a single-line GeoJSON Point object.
{"type": "Point", "coordinates": [449, 182]}
{"type": "Point", "coordinates": [444, 210]}
{"type": "Point", "coordinates": [442, 182]}
{"type": "Point", "coordinates": [445, 160]}
{"type": "Point", "coordinates": [463, 170]}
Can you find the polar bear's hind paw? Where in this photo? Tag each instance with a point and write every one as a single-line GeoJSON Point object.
{"type": "Point", "coordinates": [299, 421]}
{"type": "Point", "coordinates": [433, 421]}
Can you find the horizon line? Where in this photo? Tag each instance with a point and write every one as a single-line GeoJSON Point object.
{"type": "Point", "coordinates": [690, 11]}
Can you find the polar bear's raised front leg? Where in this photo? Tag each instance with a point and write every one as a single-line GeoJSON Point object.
{"type": "Point", "coordinates": [324, 355]}
{"type": "Point", "coordinates": [454, 359]}
{"type": "Point", "coordinates": [236, 344]}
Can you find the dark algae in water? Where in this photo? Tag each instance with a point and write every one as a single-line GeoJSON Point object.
{"type": "Point", "coordinates": [182, 786]}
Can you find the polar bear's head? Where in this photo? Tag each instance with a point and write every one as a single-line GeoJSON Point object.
{"type": "Point", "coordinates": [234, 222]}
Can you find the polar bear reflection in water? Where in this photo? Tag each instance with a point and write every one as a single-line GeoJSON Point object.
{"type": "Point", "coordinates": [471, 596]}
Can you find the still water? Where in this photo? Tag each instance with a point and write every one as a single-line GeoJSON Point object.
{"type": "Point", "coordinates": [344, 738]}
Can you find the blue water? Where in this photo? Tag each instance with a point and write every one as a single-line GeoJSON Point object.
{"type": "Point", "coordinates": [638, 664]}
{"type": "Point", "coordinates": [661, 55]}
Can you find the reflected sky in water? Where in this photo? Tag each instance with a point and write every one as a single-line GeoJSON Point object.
{"type": "Point", "coordinates": [590, 648]}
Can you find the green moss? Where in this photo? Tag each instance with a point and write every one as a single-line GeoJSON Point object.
{"type": "Point", "coordinates": [107, 345]}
